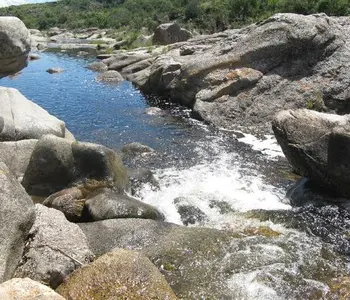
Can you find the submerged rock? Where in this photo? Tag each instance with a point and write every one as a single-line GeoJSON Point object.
{"type": "Point", "coordinates": [135, 149]}
{"type": "Point", "coordinates": [27, 289]}
{"type": "Point", "coordinates": [316, 145]}
{"type": "Point", "coordinates": [121, 274]}
{"type": "Point", "coordinates": [55, 249]}
{"type": "Point", "coordinates": [54, 70]}
{"type": "Point", "coordinates": [16, 218]}
{"type": "Point", "coordinates": [14, 46]}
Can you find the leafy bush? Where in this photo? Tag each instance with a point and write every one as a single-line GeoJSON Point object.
{"type": "Point", "coordinates": [132, 15]}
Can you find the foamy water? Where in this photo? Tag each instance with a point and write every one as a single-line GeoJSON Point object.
{"type": "Point", "coordinates": [223, 179]}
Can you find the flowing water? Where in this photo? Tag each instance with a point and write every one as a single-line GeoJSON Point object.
{"type": "Point", "coordinates": [207, 177]}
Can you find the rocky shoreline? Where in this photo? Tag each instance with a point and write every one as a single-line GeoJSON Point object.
{"type": "Point", "coordinates": [89, 238]}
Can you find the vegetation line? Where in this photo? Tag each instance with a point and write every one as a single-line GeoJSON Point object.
{"type": "Point", "coordinates": [205, 16]}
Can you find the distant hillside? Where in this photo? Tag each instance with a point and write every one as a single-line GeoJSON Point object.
{"type": "Point", "coordinates": [132, 15]}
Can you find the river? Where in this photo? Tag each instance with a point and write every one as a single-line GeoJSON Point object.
{"type": "Point", "coordinates": [228, 180]}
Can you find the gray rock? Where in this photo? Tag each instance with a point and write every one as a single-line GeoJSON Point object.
{"type": "Point", "coordinates": [26, 289]}
{"type": "Point", "coordinates": [189, 213]}
{"type": "Point", "coordinates": [69, 201]}
{"type": "Point", "coordinates": [16, 155]}
{"type": "Point", "coordinates": [100, 163]}
{"type": "Point", "coordinates": [170, 33]}
{"type": "Point", "coordinates": [82, 53]}
{"type": "Point", "coordinates": [154, 111]}
{"type": "Point", "coordinates": [316, 145]}
{"type": "Point", "coordinates": [55, 249]}
{"type": "Point", "coordinates": [61, 36]}
{"type": "Point", "coordinates": [187, 50]}
{"type": "Point", "coordinates": [50, 168]}
{"type": "Point", "coordinates": [16, 218]}
{"type": "Point", "coordinates": [55, 31]}
{"type": "Point", "coordinates": [21, 119]}
{"type": "Point", "coordinates": [34, 56]}
{"type": "Point", "coordinates": [110, 76]}
{"type": "Point", "coordinates": [108, 204]}
{"type": "Point", "coordinates": [57, 163]}
{"type": "Point", "coordinates": [140, 176]}
{"type": "Point", "coordinates": [14, 45]}
{"type": "Point", "coordinates": [121, 274]}
{"type": "Point", "coordinates": [54, 70]}
{"type": "Point", "coordinates": [98, 66]}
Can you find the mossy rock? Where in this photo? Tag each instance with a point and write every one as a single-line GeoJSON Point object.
{"type": "Point", "coordinates": [340, 288]}
{"type": "Point", "coordinates": [121, 274]}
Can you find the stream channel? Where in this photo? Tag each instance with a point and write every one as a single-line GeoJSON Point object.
{"type": "Point", "coordinates": [227, 180]}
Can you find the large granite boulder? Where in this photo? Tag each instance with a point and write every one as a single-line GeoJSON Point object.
{"type": "Point", "coordinates": [97, 162]}
{"type": "Point", "coordinates": [317, 146]}
{"type": "Point", "coordinates": [16, 218]}
{"type": "Point", "coordinates": [51, 166]}
{"type": "Point", "coordinates": [26, 289]}
{"type": "Point", "coordinates": [56, 248]}
{"type": "Point", "coordinates": [14, 45]}
{"type": "Point", "coordinates": [170, 33]}
{"type": "Point", "coordinates": [22, 119]}
{"type": "Point", "coordinates": [57, 163]}
{"type": "Point", "coordinates": [121, 274]}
